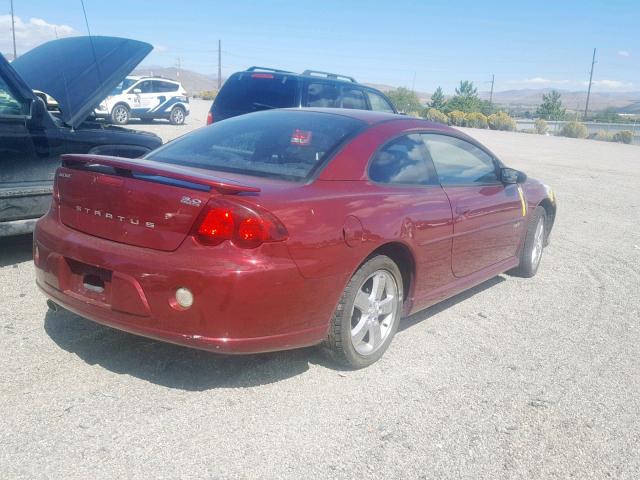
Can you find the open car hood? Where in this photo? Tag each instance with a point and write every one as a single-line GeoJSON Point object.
{"type": "Point", "coordinates": [79, 72]}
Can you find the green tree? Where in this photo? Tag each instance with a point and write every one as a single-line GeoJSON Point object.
{"type": "Point", "coordinates": [466, 98]}
{"type": "Point", "coordinates": [405, 100]}
{"type": "Point", "coordinates": [551, 107]}
{"type": "Point", "coordinates": [437, 100]}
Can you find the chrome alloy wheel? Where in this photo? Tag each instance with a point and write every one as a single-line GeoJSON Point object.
{"type": "Point", "coordinates": [121, 114]}
{"type": "Point", "coordinates": [538, 243]}
{"type": "Point", "coordinates": [375, 310]}
{"type": "Point", "coordinates": [177, 116]}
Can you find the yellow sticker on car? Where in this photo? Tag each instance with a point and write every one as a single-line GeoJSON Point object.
{"type": "Point", "coordinates": [522, 201]}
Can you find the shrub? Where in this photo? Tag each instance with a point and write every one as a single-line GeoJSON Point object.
{"type": "Point", "coordinates": [476, 120]}
{"type": "Point", "coordinates": [501, 121]}
{"type": "Point", "coordinates": [434, 115]}
{"type": "Point", "coordinates": [624, 136]}
{"type": "Point", "coordinates": [541, 127]}
{"type": "Point", "coordinates": [574, 130]}
{"type": "Point", "coordinates": [208, 94]}
{"type": "Point", "coordinates": [457, 118]}
{"type": "Point", "coordinates": [604, 136]}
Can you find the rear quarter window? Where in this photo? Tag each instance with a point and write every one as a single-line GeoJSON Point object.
{"type": "Point", "coordinates": [290, 145]}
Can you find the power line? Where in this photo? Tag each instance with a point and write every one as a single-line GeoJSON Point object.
{"type": "Point", "coordinates": [93, 49]}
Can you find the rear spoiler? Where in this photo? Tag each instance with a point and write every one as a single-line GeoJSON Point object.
{"type": "Point", "coordinates": [167, 170]}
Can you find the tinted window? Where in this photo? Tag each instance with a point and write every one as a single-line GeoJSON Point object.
{"type": "Point", "coordinates": [122, 86]}
{"type": "Point", "coordinates": [144, 87]}
{"type": "Point", "coordinates": [403, 160]}
{"type": "Point", "coordinates": [379, 103]}
{"type": "Point", "coordinates": [459, 162]}
{"type": "Point", "coordinates": [282, 144]}
{"type": "Point", "coordinates": [353, 98]}
{"type": "Point", "coordinates": [9, 105]}
{"type": "Point", "coordinates": [248, 92]}
{"type": "Point", "coordinates": [321, 94]}
{"type": "Point", "coordinates": [160, 87]}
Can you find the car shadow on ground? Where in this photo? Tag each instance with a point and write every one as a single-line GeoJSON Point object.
{"type": "Point", "coordinates": [423, 315]}
{"type": "Point", "coordinates": [14, 250]}
{"type": "Point", "coordinates": [183, 368]}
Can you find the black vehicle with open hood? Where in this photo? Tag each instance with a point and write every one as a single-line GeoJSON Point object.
{"type": "Point", "coordinates": [78, 72]}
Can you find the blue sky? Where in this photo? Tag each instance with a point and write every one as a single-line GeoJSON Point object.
{"type": "Point", "coordinates": [531, 44]}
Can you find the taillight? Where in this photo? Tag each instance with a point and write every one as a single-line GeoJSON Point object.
{"type": "Point", "coordinates": [209, 118]}
{"type": "Point", "coordinates": [246, 226]}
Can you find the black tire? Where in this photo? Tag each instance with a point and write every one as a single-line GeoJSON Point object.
{"type": "Point", "coordinates": [339, 343]}
{"type": "Point", "coordinates": [120, 115]}
{"type": "Point", "coordinates": [529, 262]}
{"type": "Point", "coordinates": [177, 115]}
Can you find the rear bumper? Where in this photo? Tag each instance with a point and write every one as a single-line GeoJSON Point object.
{"type": "Point", "coordinates": [246, 301]}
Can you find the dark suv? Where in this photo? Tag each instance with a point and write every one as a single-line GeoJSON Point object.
{"type": "Point", "coordinates": [259, 88]}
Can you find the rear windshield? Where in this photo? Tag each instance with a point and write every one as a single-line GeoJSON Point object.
{"type": "Point", "coordinates": [249, 92]}
{"type": "Point", "coordinates": [290, 145]}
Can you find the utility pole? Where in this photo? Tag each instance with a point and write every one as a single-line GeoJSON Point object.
{"type": "Point", "coordinates": [178, 69]}
{"type": "Point", "coordinates": [219, 64]}
{"type": "Point", "coordinates": [493, 79]}
{"type": "Point", "coordinates": [13, 32]}
{"type": "Point", "coordinates": [586, 107]}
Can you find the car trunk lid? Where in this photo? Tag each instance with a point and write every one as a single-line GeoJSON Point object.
{"type": "Point", "coordinates": [135, 202]}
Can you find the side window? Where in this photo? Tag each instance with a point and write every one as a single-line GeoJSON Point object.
{"type": "Point", "coordinates": [403, 161]}
{"type": "Point", "coordinates": [379, 103]}
{"type": "Point", "coordinates": [10, 105]}
{"type": "Point", "coordinates": [144, 87]}
{"type": "Point", "coordinates": [321, 94]}
{"type": "Point", "coordinates": [161, 87]}
{"type": "Point", "coordinates": [459, 162]}
{"type": "Point", "coordinates": [353, 98]}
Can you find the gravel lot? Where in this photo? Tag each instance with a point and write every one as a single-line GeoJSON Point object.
{"type": "Point", "coordinates": [517, 378]}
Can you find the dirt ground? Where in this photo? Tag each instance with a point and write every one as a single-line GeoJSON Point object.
{"type": "Point", "coordinates": [518, 378]}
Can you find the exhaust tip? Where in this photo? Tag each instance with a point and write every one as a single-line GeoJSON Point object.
{"type": "Point", "coordinates": [53, 306]}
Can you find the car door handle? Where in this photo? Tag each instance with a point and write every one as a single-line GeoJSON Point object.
{"type": "Point", "coordinates": [462, 211]}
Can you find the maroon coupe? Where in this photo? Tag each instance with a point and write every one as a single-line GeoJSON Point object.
{"type": "Point", "coordinates": [287, 228]}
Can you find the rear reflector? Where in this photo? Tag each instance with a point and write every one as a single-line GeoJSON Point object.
{"type": "Point", "coordinates": [246, 226]}
{"type": "Point", "coordinates": [209, 118]}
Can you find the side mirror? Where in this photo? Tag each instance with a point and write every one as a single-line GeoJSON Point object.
{"type": "Point", "coordinates": [136, 90]}
{"type": "Point", "coordinates": [38, 107]}
{"type": "Point", "coordinates": [511, 175]}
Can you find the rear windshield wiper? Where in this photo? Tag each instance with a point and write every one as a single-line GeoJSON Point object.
{"type": "Point", "coordinates": [263, 105]}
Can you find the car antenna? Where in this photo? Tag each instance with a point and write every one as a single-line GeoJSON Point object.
{"type": "Point", "coordinates": [93, 50]}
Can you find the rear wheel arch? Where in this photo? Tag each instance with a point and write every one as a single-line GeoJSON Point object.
{"type": "Point", "coordinates": [403, 257]}
{"type": "Point", "coordinates": [121, 104]}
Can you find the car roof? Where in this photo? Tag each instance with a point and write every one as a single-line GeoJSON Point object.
{"type": "Point", "coordinates": [372, 117]}
{"type": "Point", "coordinates": [153, 77]}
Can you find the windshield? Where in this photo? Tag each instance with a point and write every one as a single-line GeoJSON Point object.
{"type": "Point", "coordinates": [123, 85]}
{"type": "Point", "coordinates": [290, 145]}
{"type": "Point", "coordinates": [249, 92]}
